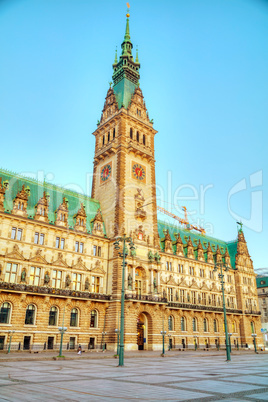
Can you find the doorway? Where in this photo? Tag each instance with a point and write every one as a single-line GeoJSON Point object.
{"type": "Point", "coordinates": [2, 342]}
{"type": "Point", "coordinates": [72, 342]}
{"type": "Point", "coordinates": [50, 342]}
{"type": "Point", "coordinates": [142, 332]}
{"type": "Point", "coordinates": [91, 344]}
{"type": "Point", "coordinates": [26, 342]}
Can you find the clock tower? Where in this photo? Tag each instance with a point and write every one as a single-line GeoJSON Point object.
{"type": "Point", "coordinates": [124, 165]}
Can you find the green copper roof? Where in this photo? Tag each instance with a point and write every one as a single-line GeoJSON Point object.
{"type": "Point", "coordinates": [126, 72]}
{"type": "Point", "coordinates": [195, 237]}
{"type": "Point", "coordinates": [56, 194]}
{"type": "Point", "coordinates": [262, 281]}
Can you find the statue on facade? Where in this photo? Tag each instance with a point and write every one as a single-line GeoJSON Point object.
{"type": "Point", "coordinates": [46, 278]}
{"type": "Point", "coordinates": [177, 295]}
{"type": "Point", "coordinates": [87, 284]}
{"type": "Point", "coordinates": [23, 276]}
{"type": "Point", "coordinates": [155, 285]}
{"type": "Point", "coordinates": [157, 257]}
{"type": "Point", "coordinates": [133, 253]}
{"type": "Point", "coordinates": [150, 255]}
{"type": "Point", "coordinates": [164, 294]}
{"type": "Point", "coordinates": [68, 281]}
{"type": "Point", "coordinates": [129, 281]}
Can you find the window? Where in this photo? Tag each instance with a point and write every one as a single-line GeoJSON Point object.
{"type": "Point", "coordinates": [60, 243]}
{"type": "Point", "coordinates": [204, 299]}
{"type": "Point", "coordinates": [56, 278]}
{"type": "Point", "coordinates": [39, 238]}
{"type": "Point", "coordinates": [79, 247]}
{"type": "Point", "coordinates": [35, 276]}
{"type": "Point", "coordinates": [11, 272]}
{"type": "Point", "coordinates": [77, 281]}
{"type": "Point", "coordinates": [74, 318]}
{"type": "Point", "coordinates": [93, 319]}
{"type": "Point", "coordinates": [5, 313]}
{"type": "Point", "coordinates": [211, 274]}
{"type": "Point", "coordinates": [233, 327]}
{"type": "Point", "coordinates": [109, 136]}
{"type": "Point", "coordinates": [103, 140]}
{"type": "Point", "coordinates": [95, 284]}
{"type": "Point", "coordinates": [215, 325]}
{"type": "Point", "coordinates": [138, 136]}
{"type": "Point", "coordinates": [262, 282]}
{"type": "Point", "coordinates": [193, 294]}
{"type": "Point", "coordinates": [170, 294]}
{"type": "Point", "coordinates": [180, 268]}
{"type": "Point", "coordinates": [202, 273]}
{"type": "Point", "coordinates": [194, 324]}
{"type": "Point", "coordinates": [183, 324]}
{"type": "Point", "coordinates": [205, 325]}
{"type": "Point", "coordinates": [53, 313]}
{"type": "Point", "coordinates": [144, 139]}
{"type": "Point", "coordinates": [252, 327]}
{"type": "Point", "coordinates": [30, 315]}
{"type": "Point", "coordinates": [170, 323]}
{"type": "Point", "coordinates": [97, 251]}
{"type": "Point", "coordinates": [213, 300]}
{"type": "Point", "coordinates": [191, 270]}
{"type": "Point", "coordinates": [114, 133]}
{"type": "Point", "coordinates": [16, 233]}
{"type": "Point", "coordinates": [229, 279]}
{"type": "Point", "coordinates": [169, 266]}
{"type": "Point", "coordinates": [182, 296]}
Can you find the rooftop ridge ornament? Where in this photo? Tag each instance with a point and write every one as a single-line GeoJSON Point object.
{"type": "Point", "coordinates": [128, 7]}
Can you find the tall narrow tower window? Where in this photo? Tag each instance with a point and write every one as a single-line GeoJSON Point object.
{"type": "Point", "coordinates": [109, 136]}
{"type": "Point", "coordinates": [144, 140]}
{"type": "Point", "coordinates": [114, 133]}
{"type": "Point", "coordinates": [131, 133]}
{"type": "Point", "coordinates": [103, 140]}
{"type": "Point", "coordinates": [138, 136]}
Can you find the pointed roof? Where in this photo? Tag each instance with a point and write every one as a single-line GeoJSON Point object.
{"type": "Point", "coordinates": [126, 71]}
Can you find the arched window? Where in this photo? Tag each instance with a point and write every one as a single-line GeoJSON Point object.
{"type": "Point", "coordinates": [94, 319]}
{"type": "Point", "coordinates": [205, 325]}
{"type": "Point", "coordinates": [103, 140]}
{"type": "Point", "coordinates": [30, 315]}
{"type": "Point", "coordinates": [5, 313]}
{"type": "Point", "coordinates": [215, 325]}
{"type": "Point", "coordinates": [114, 133]}
{"type": "Point", "coordinates": [74, 318]}
{"type": "Point", "coordinates": [183, 324]}
{"type": "Point", "coordinates": [109, 136]}
{"type": "Point", "coordinates": [53, 316]}
{"type": "Point", "coordinates": [194, 324]}
{"type": "Point", "coordinates": [233, 327]}
{"type": "Point", "coordinates": [252, 327]}
{"type": "Point", "coordinates": [170, 323]}
{"type": "Point", "coordinates": [131, 133]}
{"type": "Point", "coordinates": [144, 140]}
{"type": "Point", "coordinates": [138, 136]}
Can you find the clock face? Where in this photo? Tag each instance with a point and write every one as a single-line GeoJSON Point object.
{"type": "Point", "coordinates": [106, 172]}
{"type": "Point", "coordinates": [138, 172]}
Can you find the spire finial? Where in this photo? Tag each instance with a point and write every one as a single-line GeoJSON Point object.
{"type": "Point", "coordinates": [128, 7]}
{"type": "Point", "coordinates": [137, 57]}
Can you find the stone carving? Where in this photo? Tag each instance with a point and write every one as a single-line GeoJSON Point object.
{"type": "Point", "coordinates": [68, 281]}
{"type": "Point", "coordinates": [23, 276]}
{"type": "Point", "coordinates": [129, 281]}
{"type": "Point", "coordinates": [87, 284]}
{"type": "Point", "coordinates": [46, 278]}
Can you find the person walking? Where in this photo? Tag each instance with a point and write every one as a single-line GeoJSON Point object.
{"type": "Point", "coordinates": [79, 350]}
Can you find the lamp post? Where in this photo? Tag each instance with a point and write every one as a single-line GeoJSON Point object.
{"type": "Point", "coordinates": [117, 333]}
{"type": "Point", "coordinates": [230, 345]}
{"type": "Point", "coordinates": [163, 333]}
{"type": "Point", "coordinates": [221, 277]}
{"type": "Point", "coordinates": [103, 340]}
{"type": "Point", "coordinates": [123, 255]}
{"type": "Point", "coordinates": [195, 342]}
{"type": "Point", "coordinates": [62, 330]}
{"type": "Point", "coordinates": [10, 339]}
{"type": "Point", "coordinates": [254, 342]}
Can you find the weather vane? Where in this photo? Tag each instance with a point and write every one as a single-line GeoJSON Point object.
{"type": "Point", "coordinates": [128, 7]}
{"type": "Point", "coordinates": [241, 225]}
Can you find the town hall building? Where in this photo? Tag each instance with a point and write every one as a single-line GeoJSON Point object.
{"type": "Point", "coordinates": [59, 266]}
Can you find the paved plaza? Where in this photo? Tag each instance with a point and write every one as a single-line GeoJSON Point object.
{"type": "Point", "coordinates": [147, 377]}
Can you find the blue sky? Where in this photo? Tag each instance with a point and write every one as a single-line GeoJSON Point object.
{"type": "Point", "coordinates": [203, 72]}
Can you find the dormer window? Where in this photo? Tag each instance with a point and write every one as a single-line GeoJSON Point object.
{"type": "Point", "coordinates": [62, 213]}
{"type": "Point", "coordinates": [41, 209]}
{"type": "Point", "coordinates": [20, 202]}
{"type": "Point", "coordinates": [80, 219]}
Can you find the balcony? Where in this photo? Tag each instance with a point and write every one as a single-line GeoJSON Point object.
{"type": "Point", "coordinates": [252, 311]}
{"type": "Point", "coordinates": [146, 298]}
{"type": "Point", "coordinates": [43, 290]}
{"type": "Point", "coordinates": [200, 307]}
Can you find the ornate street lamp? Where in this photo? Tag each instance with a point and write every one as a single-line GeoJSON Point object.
{"type": "Point", "coordinates": [103, 340]}
{"type": "Point", "coordinates": [62, 330]}
{"type": "Point", "coordinates": [123, 255]}
{"type": "Point", "coordinates": [254, 342]}
{"type": "Point", "coordinates": [117, 333]}
{"type": "Point", "coordinates": [10, 339]}
{"type": "Point", "coordinates": [221, 277]}
{"type": "Point", "coordinates": [163, 333]}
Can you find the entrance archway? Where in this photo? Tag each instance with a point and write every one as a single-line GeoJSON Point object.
{"type": "Point", "coordinates": [142, 332]}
